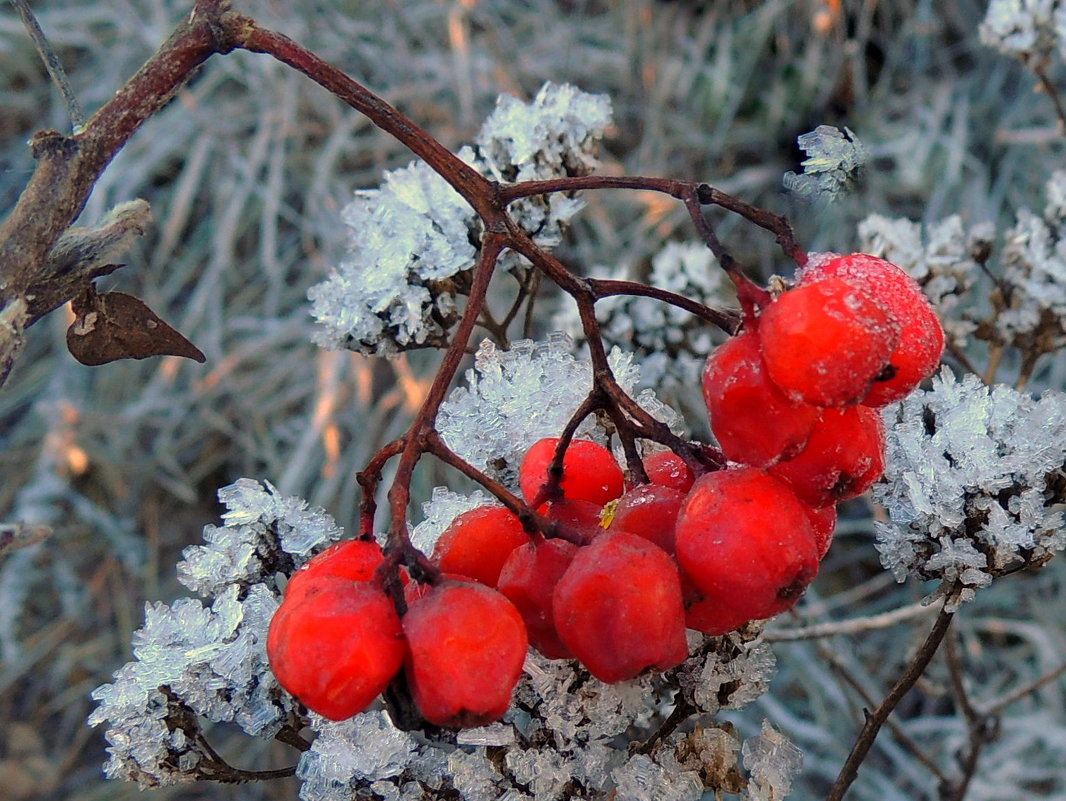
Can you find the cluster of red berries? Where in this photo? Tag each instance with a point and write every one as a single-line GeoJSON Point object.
{"type": "Point", "coordinates": [790, 402]}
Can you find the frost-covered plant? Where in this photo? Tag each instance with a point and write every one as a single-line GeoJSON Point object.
{"type": "Point", "coordinates": [974, 482]}
{"type": "Point", "coordinates": [411, 241]}
{"type": "Point", "coordinates": [835, 160]}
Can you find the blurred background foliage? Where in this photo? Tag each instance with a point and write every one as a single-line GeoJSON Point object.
{"type": "Point", "coordinates": [246, 173]}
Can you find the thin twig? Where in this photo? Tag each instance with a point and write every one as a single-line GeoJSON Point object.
{"type": "Point", "coordinates": [998, 705]}
{"type": "Point", "coordinates": [1040, 70]}
{"type": "Point", "coordinates": [854, 625]}
{"type": "Point", "coordinates": [51, 63]}
{"type": "Point", "coordinates": [876, 719]}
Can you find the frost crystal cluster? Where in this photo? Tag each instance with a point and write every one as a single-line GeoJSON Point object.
{"type": "Point", "coordinates": [940, 258]}
{"type": "Point", "coordinates": [1026, 29]}
{"type": "Point", "coordinates": [209, 660]}
{"type": "Point", "coordinates": [515, 397]}
{"type": "Point", "coordinates": [974, 482]}
{"type": "Point", "coordinates": [562, 739]}
{"type": "Point", "coordinates": [410, 240]}
{"type": "Point", "coordinates": [835, 158]}
{"type": "Point", "coordinates": [671, 344]}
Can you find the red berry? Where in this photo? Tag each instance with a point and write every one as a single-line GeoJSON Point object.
{"type": "Point", "coordinates": [467, 646]}
{"type": "Point", "coordinates": [478, 542]}
{"type": "Point", "coordinates": [922, 337]}
{"type": "Point", "coordinates": [745, 540]}
{"type": "Point", "coordinates": [826, 342]}
{"type": "Point", "coordinates": [618, 608]}
{"type": "Point", "coordinates": [843, 457]}
{"type": "Point", "coordinates": [590, 472]}
{"type": "Point", "coordinates": [337, 645]}
{"type": "Point", "coordinates": [823, 523]}
{"type": "Point", "coordinates": [353, 559]}
{"type": "Point", "coordinates": [753, 420]}
{"type": "Point", "coordinates": [528, 580]}
{"type": "Point", "coordinates": [649, 511]}
{"type": "Point", "coordinates": [713, 617]}
{"type": "Point", "coordinates": [581, 518]}
{"type": "Point", "coordinates": [669, 470]}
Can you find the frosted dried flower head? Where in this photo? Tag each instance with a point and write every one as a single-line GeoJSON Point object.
{"type": "Point", "coordinates": [973, 482]}
{"type": "Point", "coordinates": [410, 239]}
{"type": "Point", "coordinates": [1026, 29]}
{"type": "Point", "coordinates": [515, 397]}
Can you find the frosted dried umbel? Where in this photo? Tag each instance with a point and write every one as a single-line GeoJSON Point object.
{"type": "Point", "coordinates": [974, 482]}
{"type": "Point", "coordinates": [209, 660]}
{"type": "Point", "coordinates": [410, 239]}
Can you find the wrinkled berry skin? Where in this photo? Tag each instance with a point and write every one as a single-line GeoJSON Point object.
{"type": "Point", "coordinates": [649, 511]}
{"type": "Point", "coordinates": [668, 469]}
{"type": "Point", "coordinates": [746, 541]}
{"type": "Point", "coordinates": [467, 644]}
{"type": "Point", "coordinates": [337, 645]}
{"type": "Point", "coordinates": [618, 608]}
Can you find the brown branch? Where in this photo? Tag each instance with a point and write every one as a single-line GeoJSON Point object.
{"type": "Point", "coordinates": [604, 287]}
{"type": "Point", "coordinates": [876, 719]}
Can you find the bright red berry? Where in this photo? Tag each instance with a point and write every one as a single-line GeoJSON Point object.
{"type": "Point", "coordinates": [753, 420]}
{"type": "Point", "coordinates": [823, 524]}
{"type": "Point", "coordinates": [528, 579]}
{"type": "Point", "coordinates": [581, 518]}
{"type": "Point", "coordinates": [618, 608]}
{"type": "Point", "coordinates": [649, 511]}
{"type": "Point", "coordinates": [669, 470]}
{"type": "Point", "coordinates": [590, 472]}
{"type": "Point", "coordinates": [713, 617]}
{"type": "Point", "coordinates": [826, 342]}
{"type": "Point", "coordinates": [478, 542]}
{"type": "Point", "coordinates": [922, 337]}
{"type": "Point", "coordinates": [842, 459]}
{"type": "Point", "coordinates": [337, 645]}
{"type": "Point", "coordinates": [353, 559]}
{"type": "Point", "coordinates": [467, 646]}
{"type": "Point", "coordinates": [744, 538]}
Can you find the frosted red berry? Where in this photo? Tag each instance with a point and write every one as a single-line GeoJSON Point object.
{"type": "Point", "coordinates": [478, 542]}
{"type": "Point", "coordinates": [826, 342]}
{"type": "Point", "coordinates": [922, 336]}
{"type": "Point", "coordinates": [618, 608]}
{"type": "Point", "coordinates": [745, 540]}
{"type": "Point", "coordinates": [590, 472]}
{"type": "Point", "coordinates": [467, 644]}
{"type": "Point", "coordinates": [649, 511]}
{"type": "Point", "coordinates": [713, 617]}
{"type": "Point", "coordinates": [752, 419]}
{"type": "Point", "coordinates": [581, 519]}
{"type": "Point", "coordinates": [353, 559]}
{"type": "Point", "coordinates": [823, 524]}
{"type": "Point", "coordinates": [337, 645]}
{"type": "Point", "coordinates": [528, 579]}
{"type": "Point", "coordinates": [669, 470]}
{"type": "Point", "coordinates": [842, 459]}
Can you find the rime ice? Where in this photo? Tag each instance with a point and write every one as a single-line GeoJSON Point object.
{"type": "Point", "coordinates": [411, 235]}
{"type": "Point", "coordinates": [972, 481]}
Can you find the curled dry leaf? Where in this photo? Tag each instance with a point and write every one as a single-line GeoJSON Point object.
{"type": "Point", "coordinates": [114, 325]}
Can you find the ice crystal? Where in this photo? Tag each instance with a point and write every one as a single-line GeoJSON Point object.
{"type": "Point", "coordinates": [835, 159]}
{"type": "Point", "coordinates": [973, 481]}
{"type": "Point", "coordinates": [259, 523]}
{"type": "Point", "coordinates": [411, 237]}
{"type": "Point", "coordinates": [515, 397]}
{"type": "Point", "coordinates": [672, 344]}
{"type": "Point", "coordinates": [210, 660]}
{"type": "Point", "coordinates": [773, 761]}
{"type": "Point", "coordinates": [439, 512]}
